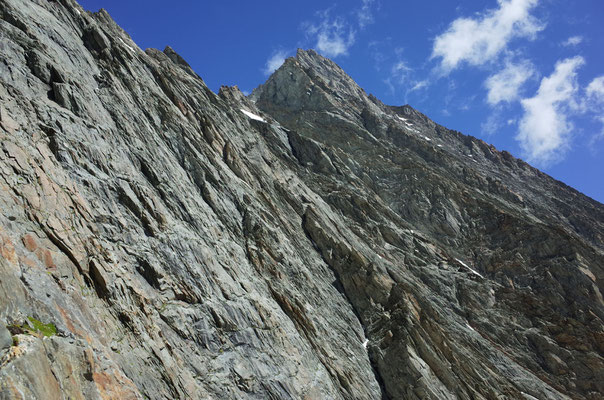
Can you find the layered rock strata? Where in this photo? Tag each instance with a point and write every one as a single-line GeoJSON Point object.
{"type": "Point", "coordinates": [158, 240]}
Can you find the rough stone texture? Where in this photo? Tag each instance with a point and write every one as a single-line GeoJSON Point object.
{"type": "Point", "coordinates": [6, 340]}
{"type": "Point", "coordinates": [341, 249]}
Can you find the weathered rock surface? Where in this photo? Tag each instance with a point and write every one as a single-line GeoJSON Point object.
{"type": "Point", "coordinates": [156, 241]}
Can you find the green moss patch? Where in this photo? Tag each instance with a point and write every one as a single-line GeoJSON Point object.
{"type": "Point", "coordinates": [35, 328]}
{"type": "Point", "coordinates": [45, 329]}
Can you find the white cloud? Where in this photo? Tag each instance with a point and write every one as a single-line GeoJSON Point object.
{"type": "Point", "coordinates": [572, 41]}
{"type": "Point", "coordinates": [333, 36]}
{"type": "Point", "coordinates": [598, 136]}
{"type": "Point", "coordinates": [403, 76]}
{"type": "Point", "coordinates": [595, 101]}
{"type": "Point", "coordinates": [595, 90]}
{"type": "Point", "coordinates": [274, 62]}
{"type": "Point", "coordinates": [505, 85]}
{"type": "Point", "coordinates": [491, 125]}
{"type": "Point", "coordinates": [400, 75]}
{"type": "Point", "coordinates": [333, 44]}
{"type": "Point", "coordinates": [419, 85]}
{"type": "Point", "coordinates": [365, 13]}
{"type": "Point", "coordinates": [480, 40]}
{"type": "Point", "coordinates": [544, 129]}
{"type": "Point", "coordinates": [377, 54]}
{"type": "Point", "coordinates": [400, 71]}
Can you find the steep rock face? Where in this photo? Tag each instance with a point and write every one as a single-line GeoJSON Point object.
{"type": "Point", "coordinates": [158, 240]}
{"type": "Point", "coordinates": [142, 216]}
{"type": "Point", "coordinates": [533, 244]}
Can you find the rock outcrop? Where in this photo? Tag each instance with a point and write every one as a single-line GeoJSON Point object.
{"type": "Point", "coordinates": [158, 240]}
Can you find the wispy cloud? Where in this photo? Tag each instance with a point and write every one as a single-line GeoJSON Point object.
{"type": "Point", "coordinates": [419, 85]}
{"type": "Point", "coordinates": [399, 76]}
{"type": "Point", "coordinates": [333, 36]}
{"type": "Point", "coordinates": [400, 71]}
{"type": "Point", "coordinates": [595, 90]}
{"type": "Point", "coordinates": [505, 85]}
{"type": "Point", "coordinates": [378, 55]}
{"type": "Point", "coordinates": [492, 124]}
{"type": "Point", "coordinates": [479, 40]}
{"type": "Point", "coordinates": [572, 41]}
{"type": "Point", "coordinates": [597, 137]}
{"type": "Point", "coordinates": [402, 76]}
{"type": "Point", "coordinates": [274, 61]}
{"type": "Point", "coordinates": [365, 13]}
{"type": "Point", "coordinates": [333, 44]}
{"type": "Point", "coordinates": [544, 130]}
{"type": "Point", "coordinates": [595, 102]}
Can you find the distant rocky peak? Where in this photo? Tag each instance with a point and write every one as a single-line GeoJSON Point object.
{"type": "Point", "coordinates": [295, 86]}
{"type": "Point", "coordinates": [312, 83]}
{"type": "Point", "coordinates": [177, 59]}
{"type": "Point", "coordinates": [323, 70]}
{"type": "Point", "coordinates": [235, 97]}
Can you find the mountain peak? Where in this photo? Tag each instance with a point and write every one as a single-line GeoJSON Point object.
{"type": "Point", "coordinates": [309, 56]}
{"type": "Point", "coordinates": [312, 82]}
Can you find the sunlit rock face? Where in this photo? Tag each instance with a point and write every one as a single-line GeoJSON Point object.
{"type": "Point", "coordinates": [158, 240]}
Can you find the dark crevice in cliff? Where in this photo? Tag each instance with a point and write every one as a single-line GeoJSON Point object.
{"type": "Point", "coordinates": [339, 286]}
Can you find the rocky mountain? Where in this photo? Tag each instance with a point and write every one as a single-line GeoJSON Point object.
{"type": "Point", "coordinates": [160, 241]}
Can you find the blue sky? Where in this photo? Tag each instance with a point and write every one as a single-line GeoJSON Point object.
{"type": "Point", "coordinates": [524, 75]}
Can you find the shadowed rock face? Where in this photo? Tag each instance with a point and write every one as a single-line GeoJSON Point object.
{"type": "Point", "coordinates": [158, 242]}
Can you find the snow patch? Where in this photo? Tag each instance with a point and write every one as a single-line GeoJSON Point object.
{"type": "Point", "coordinates": [405, 120]}
{"type": "Point", "coordinates": [365, 343]}
{"type": "Point", "coordinates": [427, 138]}
{"type": "Point", "coordinates": [469, 269]}
{"type": "Point", "coordinates": [127, 46]}
{"type": "Point", "coordinates": [253, 116]}
{"type": "Point", "coordinates": [439, 145]}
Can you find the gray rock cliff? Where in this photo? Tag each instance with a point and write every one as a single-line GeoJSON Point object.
{"type": "Point", "coordinates": [158, 240]}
